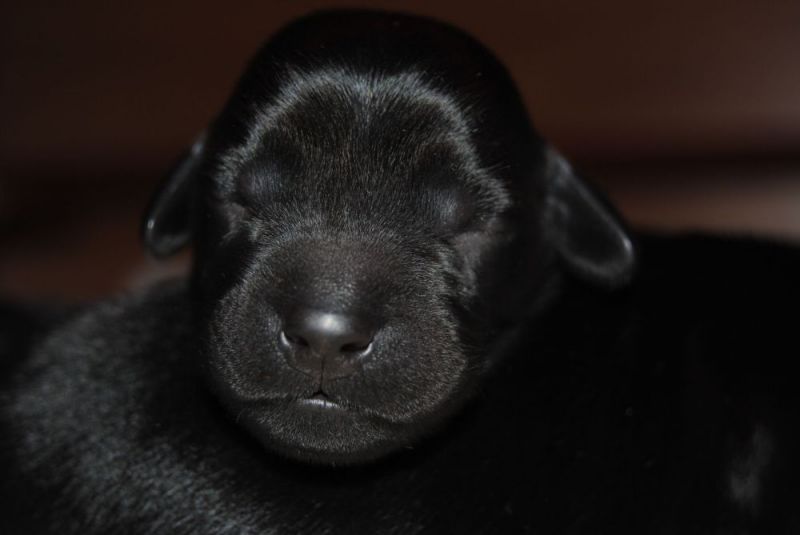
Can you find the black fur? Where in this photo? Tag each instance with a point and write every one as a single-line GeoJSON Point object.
{"type": "Point", "coordinates": [519, 375]}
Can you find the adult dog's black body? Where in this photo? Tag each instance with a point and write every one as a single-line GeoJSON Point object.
{"type": "Point", "coordinates": [394, 272]}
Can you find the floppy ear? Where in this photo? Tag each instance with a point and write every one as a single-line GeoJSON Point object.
{"type": "Point", "coordinates": [166, 227]}
{"type": "Point", "coordinates": [585, 230]}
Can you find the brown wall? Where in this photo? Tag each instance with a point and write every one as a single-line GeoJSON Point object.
{"type": "Point", "coordinates": [88, 85]}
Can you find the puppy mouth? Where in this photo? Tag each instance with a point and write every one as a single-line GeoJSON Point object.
{"type": "Point", "coordinates": [320, 401]}
{"type": "Point", "coordinates": [326, 426]}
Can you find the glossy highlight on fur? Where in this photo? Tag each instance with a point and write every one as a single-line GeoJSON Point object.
{"type": "Point", "coordinates": [407, 314]}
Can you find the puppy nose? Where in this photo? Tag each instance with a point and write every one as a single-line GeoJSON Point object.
{"type": "Point", "coordinates": [326, 345]}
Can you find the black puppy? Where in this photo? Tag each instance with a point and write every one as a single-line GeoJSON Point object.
{"type": "Point", "coordinates": [395, 273]}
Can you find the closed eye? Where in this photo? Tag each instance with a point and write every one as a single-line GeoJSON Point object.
{"type": "Point", "coordinates": [457, 213]}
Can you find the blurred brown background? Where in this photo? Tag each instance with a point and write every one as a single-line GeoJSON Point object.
{"type": "Point", "coordinates": [686, 111]}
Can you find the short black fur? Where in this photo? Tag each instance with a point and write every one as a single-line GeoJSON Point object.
{"type": "Point", "coordinates": [407, 314]}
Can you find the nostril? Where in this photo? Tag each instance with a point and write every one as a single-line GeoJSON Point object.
{"type": "Point", "coordinates": [356, 348]}
{"type": "Point", "coordinates": [289, 339]}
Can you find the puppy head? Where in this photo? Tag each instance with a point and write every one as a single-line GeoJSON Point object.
{"type": "Point", "coordinates": [370, 212]}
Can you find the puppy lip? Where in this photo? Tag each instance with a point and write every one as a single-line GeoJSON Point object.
{"type": "Point", "coordinates": [320, 400]}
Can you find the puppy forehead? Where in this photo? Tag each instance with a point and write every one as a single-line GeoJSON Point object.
{"type": "Point", "coordinates": [359, 126]}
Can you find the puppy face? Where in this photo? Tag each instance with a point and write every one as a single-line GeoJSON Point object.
{"type": "Point", "coordinates": [370, 212]}
{"type": "Point", "coordinates": [355, 220]}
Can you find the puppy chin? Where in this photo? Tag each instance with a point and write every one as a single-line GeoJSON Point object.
{"type": "Point", "coordinates": [324, 433]}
